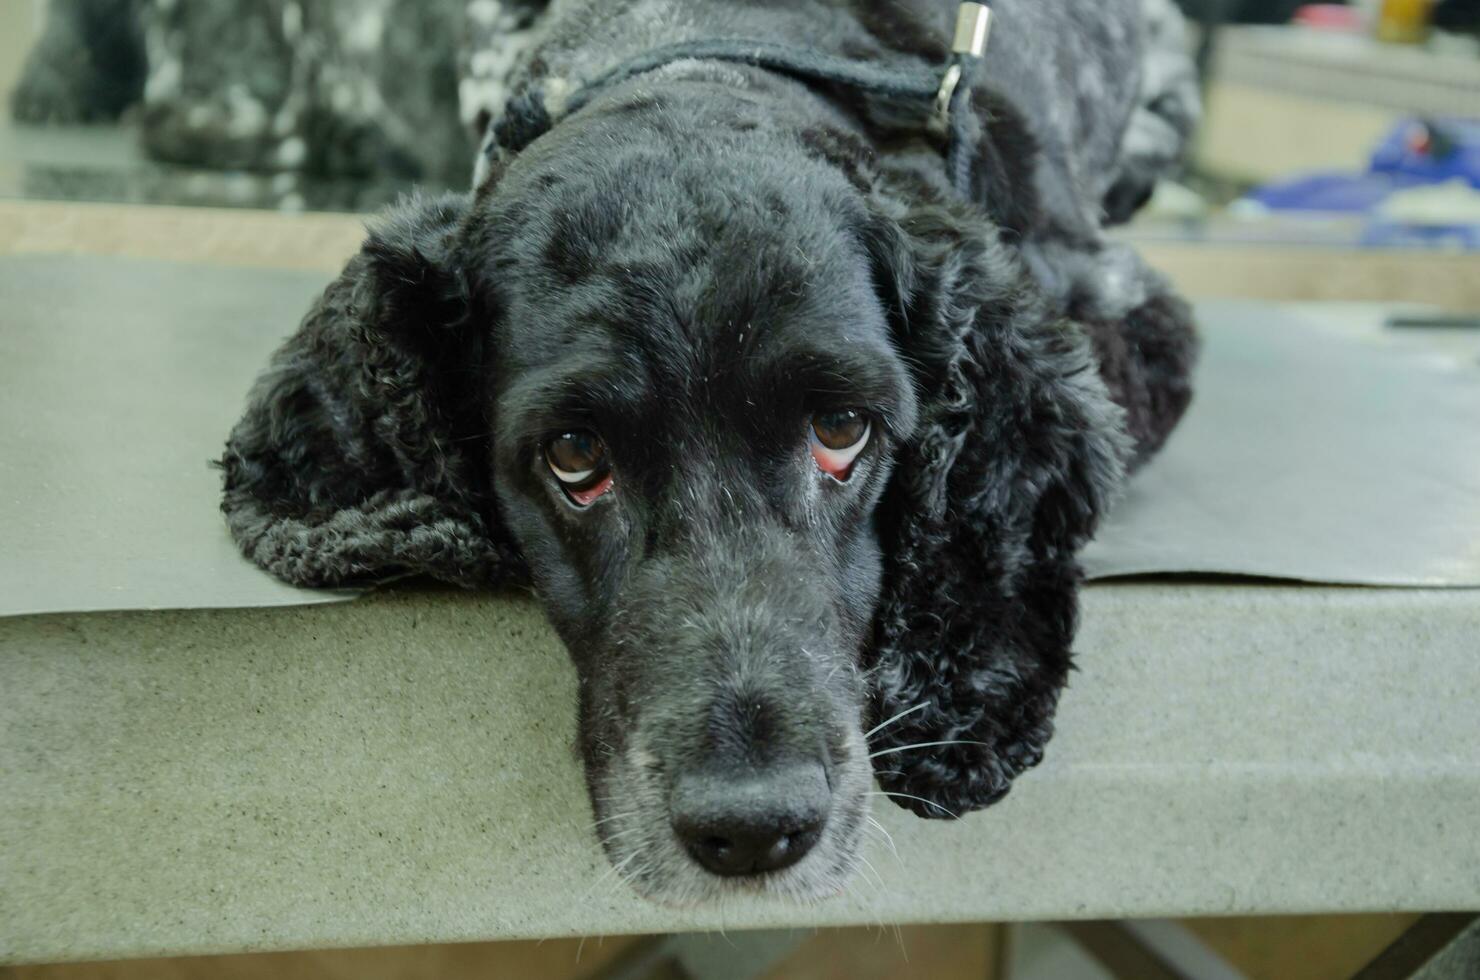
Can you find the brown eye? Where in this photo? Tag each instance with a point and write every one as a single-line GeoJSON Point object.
{"type": "Point", "coordinates": [579, 461]}
{"type": "Point", "coordinates": [837, 439]}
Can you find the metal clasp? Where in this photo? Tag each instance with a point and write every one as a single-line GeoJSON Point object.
{"type": "Point", "coordinates": [973, 26]}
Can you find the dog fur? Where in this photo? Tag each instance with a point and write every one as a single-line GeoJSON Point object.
{"type": "Point", "coordinates": [692, 225]}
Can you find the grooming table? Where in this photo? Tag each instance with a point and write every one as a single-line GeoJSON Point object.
{"type": "Point", "coordinates": [194, 758]}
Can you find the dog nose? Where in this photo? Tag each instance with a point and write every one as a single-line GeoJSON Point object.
{"type": "Point", "coordinates": [754, 822]}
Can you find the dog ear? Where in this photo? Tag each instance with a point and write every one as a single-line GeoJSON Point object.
{"type": "Point", "coordinates": [361, 456]}
{"type": "Point", "coordinates": [1018, 452]}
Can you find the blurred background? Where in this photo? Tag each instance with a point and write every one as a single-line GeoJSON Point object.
{"type": "Point", "coordinates": [1338, 124]}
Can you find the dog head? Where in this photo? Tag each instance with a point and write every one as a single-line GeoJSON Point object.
{"type": "Point", "coordinates": [787, 445]}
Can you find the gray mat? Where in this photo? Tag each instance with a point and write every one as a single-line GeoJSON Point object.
{"type": "Point", "coordinates": [1321, 446]}
{"type": "Point", "coordinates": [1318, 449]}
{"type": "Point", "coordinates": [119, 380]}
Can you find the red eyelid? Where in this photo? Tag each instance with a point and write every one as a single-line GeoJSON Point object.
{"type": "Point", "coordinates": [828, 463]}
{"type": "Point", "coordinates": [589, 494]}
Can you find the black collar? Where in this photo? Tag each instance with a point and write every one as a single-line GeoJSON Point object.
{"type": "Point", "coordinates": [938, 97]}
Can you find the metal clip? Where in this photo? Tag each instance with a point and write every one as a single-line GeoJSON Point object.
{"type": "Point", "coordinates": [973, 25]}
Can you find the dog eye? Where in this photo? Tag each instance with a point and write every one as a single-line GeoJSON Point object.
{"type": "Point", "coordinates": [578, 460]}
{"type": "Point", "coordinates": [836, 440]}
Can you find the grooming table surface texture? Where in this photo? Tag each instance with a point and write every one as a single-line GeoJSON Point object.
{"type": "Point", "coordinates": [1320, 447]}
{"type": "Point", "coordinates": [194, 758]}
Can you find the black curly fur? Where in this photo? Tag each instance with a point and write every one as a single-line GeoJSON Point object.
{"type": "Point", "coordinates": [1020, 451]}
{"type": "Point", "coordinates": [360, 456]}
{"type": "Point", "coordinates": [1146, 359]}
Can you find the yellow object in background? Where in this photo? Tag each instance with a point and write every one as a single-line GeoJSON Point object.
{"type": "Point", "coordinates": [1404, 21]}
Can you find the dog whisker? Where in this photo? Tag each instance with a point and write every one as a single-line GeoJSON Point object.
{"type": "Point", "coordinates": [879, 879]}
{"type": "Point", "coordinates": [899, 938]}
{"type": "Point", "coordinates": [615, 816]}
{"type": "Point", "coordinates": [926, 745]}
{"type": "Point", "coordinates": [885, 724]}
{"type": "Point", "coordinates": [922, 799]}
{"type": "Point", "coordinates": [888, 837]}
{"type": "Point", "coordinates": [624, 833]}
{"type": "Point", "coordinates": [615, 869]}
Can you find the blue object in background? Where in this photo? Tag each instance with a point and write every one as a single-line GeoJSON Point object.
{"type": "Point", "coordinates": [1415, 153]}
{"type": "Point", "coordinates": [1400, 234]}
{"type": "Point", "coordinates": [1337, 193]}
{"type": "Point", "coordinates": [1431, 151]}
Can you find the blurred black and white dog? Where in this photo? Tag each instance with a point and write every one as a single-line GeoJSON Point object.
{"type": "Point", "coordinates": [382, 89]}
{"type": "Point", "coordinates": [795, 436]}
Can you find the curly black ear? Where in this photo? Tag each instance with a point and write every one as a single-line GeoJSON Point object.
{"type": "Point", "coordinates": [1019, 452]}
{"type": "Point", "coordinates": [361, 454]}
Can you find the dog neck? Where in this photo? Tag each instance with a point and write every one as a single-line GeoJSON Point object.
{"type": "Point", "coordinates": [907, 94]}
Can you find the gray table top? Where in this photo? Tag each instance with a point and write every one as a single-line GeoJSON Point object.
{"type": "Point", "coordinates": [399, 769]}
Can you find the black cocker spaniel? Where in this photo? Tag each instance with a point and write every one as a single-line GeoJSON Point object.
{"type": "Point", "coordinates": [795, 433]}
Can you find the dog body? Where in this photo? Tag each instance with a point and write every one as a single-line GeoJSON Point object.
{"type": "Point", "coordinates": [795, 438]}
{"type": "Point", "coordinates": [1068, 73]}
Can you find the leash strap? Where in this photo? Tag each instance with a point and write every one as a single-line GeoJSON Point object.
{"type": "Point", "coordinates": [938, 96]}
